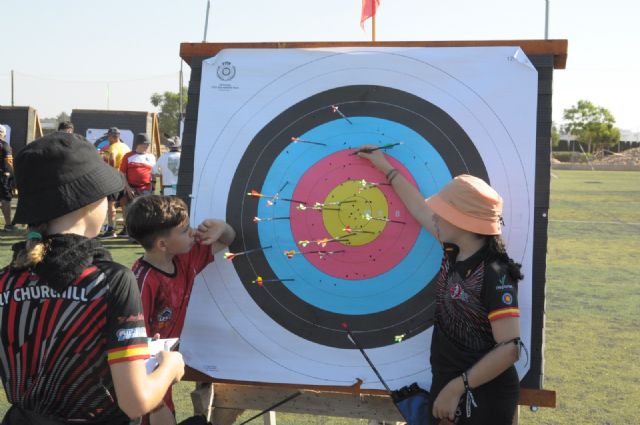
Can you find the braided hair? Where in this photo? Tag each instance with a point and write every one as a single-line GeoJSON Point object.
{"type": "Point", "coordinates": [498, 251]}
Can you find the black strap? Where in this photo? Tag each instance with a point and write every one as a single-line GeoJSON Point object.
{"type": "Point", "coordinates": [373, 367]}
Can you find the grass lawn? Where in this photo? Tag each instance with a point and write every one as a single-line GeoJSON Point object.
{"type": "Point", "coordinates": [593, 305]}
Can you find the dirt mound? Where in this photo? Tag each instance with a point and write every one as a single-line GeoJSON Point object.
{"type": "Point", "coordinates": [628, 157]}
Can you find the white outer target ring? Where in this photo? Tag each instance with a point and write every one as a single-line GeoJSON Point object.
{"type": "Point", "coordinates": [422, 72]}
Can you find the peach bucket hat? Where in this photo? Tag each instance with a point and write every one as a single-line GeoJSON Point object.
{"type": "Point", "coordinates": [469, 203]}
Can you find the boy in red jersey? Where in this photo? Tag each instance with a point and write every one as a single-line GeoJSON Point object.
{"type": "Point", "coordinates": [137, 165]}
{"type": "Point", "coordinates": [174, 255]}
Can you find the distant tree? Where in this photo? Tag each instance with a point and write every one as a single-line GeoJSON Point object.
{"type": "Point", "coordinates": [170, 113]}
{"type": "Point", "coordinates": [555, 135]}
{"type": "Point", "coordinates": [592, 125]}
{"type": "Point", "coordinates": [62, 117]}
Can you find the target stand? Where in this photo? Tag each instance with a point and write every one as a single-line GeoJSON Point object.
{"type": "Point", "coordinates": [322, 240]}
{"type": "Point", "coordinates": [22, 124]}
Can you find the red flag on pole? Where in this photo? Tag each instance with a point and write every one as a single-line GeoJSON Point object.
{"type": "Point", "coordinates": [369, 8]}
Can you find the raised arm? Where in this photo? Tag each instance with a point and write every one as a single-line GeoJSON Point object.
{"type": "Point", "coordinates": [216, 233]}
{"type": "Point", "coordinates": [409, 194]}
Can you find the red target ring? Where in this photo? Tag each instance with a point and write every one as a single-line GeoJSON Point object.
{"type": "Point", "coordinates": [384, 248]}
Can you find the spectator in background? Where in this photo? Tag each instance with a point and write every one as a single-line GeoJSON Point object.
{"type": "Point", "coordinates": [6, 176]}
{"type": "Point", "coordinates": [167, 167]}
{"type": "Point", "coordinates": [66, 126]}
{"type": "Point", "coordinates": [137, 167]}
{"type": "Point", "coordinates": [113, 156]}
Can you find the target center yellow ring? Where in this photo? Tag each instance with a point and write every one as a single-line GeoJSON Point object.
{"type": "Point", "coordinates": [347, 205]}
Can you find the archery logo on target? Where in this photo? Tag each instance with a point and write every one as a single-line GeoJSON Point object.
{"type": "Point", "coordinates": [226, 71]}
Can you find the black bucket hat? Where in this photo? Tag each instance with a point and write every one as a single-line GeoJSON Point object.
{"type": "Point", "coordinates": [60, 173]}
{"type": "Point", "coordinates": [141, 138]}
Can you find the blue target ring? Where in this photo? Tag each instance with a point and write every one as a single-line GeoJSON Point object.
{"type": "Point", "coordinates": [348, 296]}
{"type": "Point", "coordinates": [402, 300]}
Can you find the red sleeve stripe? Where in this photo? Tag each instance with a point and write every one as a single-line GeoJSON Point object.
{"type": "Point", "coordinates": [504, 312]}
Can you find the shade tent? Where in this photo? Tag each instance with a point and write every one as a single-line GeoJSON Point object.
{"type": "Point", "coordinates": [23, 125]}
{"type": "Point", "coordinates": [93, 124]}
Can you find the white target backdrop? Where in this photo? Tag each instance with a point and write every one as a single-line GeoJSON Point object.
{"type": "Point", "coordinates": [7, 137]}
{"type": "Point", "coordinates": [488, 93]}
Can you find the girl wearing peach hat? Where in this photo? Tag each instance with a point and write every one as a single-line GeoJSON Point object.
{"type": "Point", "coordinates": [476, 336]}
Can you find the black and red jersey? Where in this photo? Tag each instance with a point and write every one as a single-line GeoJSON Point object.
{"type": "Point", "coordinates": [57, 346]}
{"type": "Point", "coordinates": [470, 295]}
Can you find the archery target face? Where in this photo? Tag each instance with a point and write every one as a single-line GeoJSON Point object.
{"type": "Point", "coordinates": [7, 137]}
{"type": "Point", "coordinates": [93, 134]}
{"type": "Point", "coordinates": [332, 242]}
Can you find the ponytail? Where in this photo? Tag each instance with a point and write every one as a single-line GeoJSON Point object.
{"type": "Point", "coordinates": [498, 251]}
{"type": "Point", "coordinates": [34, 249]}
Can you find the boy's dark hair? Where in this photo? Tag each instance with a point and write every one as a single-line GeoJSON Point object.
{"type": "Point", "coordinates": [153, 216]}
{"type": "Point", "coordinates": [498, 251]}
{"type": "Point", "coordinates": [65, 125]}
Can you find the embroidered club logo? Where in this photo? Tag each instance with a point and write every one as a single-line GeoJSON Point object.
{"type": "Point", "coordinates": [502, 284]}
{"type": "Point", "coordinates": [165, 315]}
{"type": "Point", "coordinates": [457, 293]}
{"type": "Point", "coordinates": [507, 298]}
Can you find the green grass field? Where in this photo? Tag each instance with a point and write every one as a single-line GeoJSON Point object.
{"type": "Point", "coordinates": [593, 305]}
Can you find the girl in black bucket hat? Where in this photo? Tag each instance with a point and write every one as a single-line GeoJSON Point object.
{"type": "Point", "coordinates": [73, 338]}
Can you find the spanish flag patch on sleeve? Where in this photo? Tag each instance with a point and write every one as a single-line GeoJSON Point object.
{"type": "Point", "coordinates": [128, 353]}
{"type": "Point", "coordinates": [504, 312]}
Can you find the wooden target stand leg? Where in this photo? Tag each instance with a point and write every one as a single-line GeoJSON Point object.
{"type": "Point", "coordinates": [222, 403]}
{"type": "Point", "coordinates": [203, 399]}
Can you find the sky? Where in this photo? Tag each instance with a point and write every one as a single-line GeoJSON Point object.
{"type": "Point", "coordinates": [114, 54]}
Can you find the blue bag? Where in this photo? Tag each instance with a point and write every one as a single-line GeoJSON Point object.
{"type": "Point", "coordinates": [413, 403]}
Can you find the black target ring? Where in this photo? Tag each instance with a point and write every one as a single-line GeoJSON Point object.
{"type": "Point", "coordinates": [299, 317]}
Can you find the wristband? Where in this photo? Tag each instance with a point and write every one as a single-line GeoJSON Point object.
{"type": "Point", "coordinates": [470, 401]}
{"type": "Point", "coordinates": [390, 172]}
{"type": "Point", "coordinates": [465, 381]}
{"type": "Point", "coordinates": [392, 175]}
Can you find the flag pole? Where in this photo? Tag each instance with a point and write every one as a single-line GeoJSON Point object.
{"type": "Point", "coordinates": [373, 28]}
